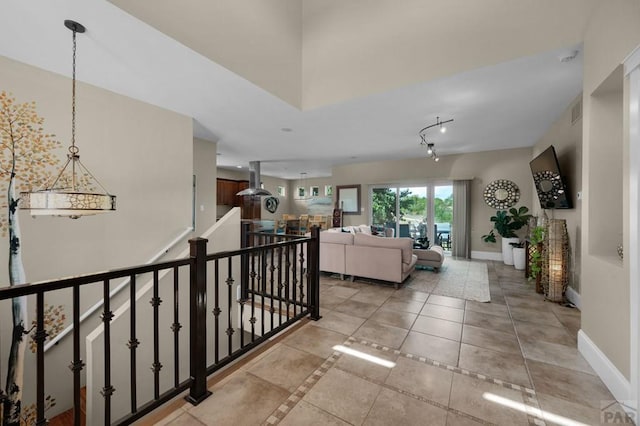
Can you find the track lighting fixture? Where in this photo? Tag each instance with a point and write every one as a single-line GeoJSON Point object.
{"type": "Point", "coordinates": [431, 151]}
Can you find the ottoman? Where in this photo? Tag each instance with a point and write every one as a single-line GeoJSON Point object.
{"type": "Point", "coordinates": [432, 257]}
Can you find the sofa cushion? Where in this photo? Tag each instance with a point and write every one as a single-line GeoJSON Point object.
{"type": "Point", "coordinates": [336, 237]}
{"type": "Point", "coordinates": [405, 244]}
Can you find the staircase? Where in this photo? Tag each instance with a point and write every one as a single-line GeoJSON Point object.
{"type": "Point", "coordinates": [66, 418]}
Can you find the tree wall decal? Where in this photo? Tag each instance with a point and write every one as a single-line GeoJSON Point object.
{"type": "Point", "coordinates": [26, 159]}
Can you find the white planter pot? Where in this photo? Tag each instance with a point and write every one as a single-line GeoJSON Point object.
{"type": "Point", "coordinates": [507, 250]}
{"type": "Point", "coordinates": [519, 258]}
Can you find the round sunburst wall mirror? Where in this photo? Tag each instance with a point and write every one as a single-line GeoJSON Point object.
{"type": "Point", "coordinates": [501, 194]}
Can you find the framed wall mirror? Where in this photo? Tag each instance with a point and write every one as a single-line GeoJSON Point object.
{"type": "Point", "coordinates": [349, 198]}
{"type": "Point", "coordinates": [501, 194]}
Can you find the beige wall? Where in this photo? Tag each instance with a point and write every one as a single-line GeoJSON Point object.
{"type": "Point", "coordinates": [612, 33]}
{"type": "Point", "coordinates": [205, 170]}
{"type": "Point", "coordinates": [141, 153]}
{"type": "Point", "coordinates": [482, 167]}
{"type": "Point", "coordinates": [567, 141]}
{"type": "Point", "coordinates": [320, 205]}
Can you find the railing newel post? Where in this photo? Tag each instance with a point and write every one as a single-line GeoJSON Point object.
{"type": "Point", "coordinates": [314, 273]}
{"type": "Point", "coordinates": [198, 321]}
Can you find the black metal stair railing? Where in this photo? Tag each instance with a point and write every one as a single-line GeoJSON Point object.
{"type": "Point", "coordinates": [274, 284]}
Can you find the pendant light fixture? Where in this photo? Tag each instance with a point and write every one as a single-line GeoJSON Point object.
{"type": "Point", "coordinates": [74, 191]}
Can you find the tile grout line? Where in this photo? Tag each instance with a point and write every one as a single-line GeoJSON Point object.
{"type": "Point", "coordinates": [531, 401]}
{"type": "Point", "coordinates": [528, 395]}
{"type": "Point", "coordinates": [445, 366]}
{"type": "Point", "coordinates": [410, 394]}
{"type": "Point", "coordinates": [279, 413]}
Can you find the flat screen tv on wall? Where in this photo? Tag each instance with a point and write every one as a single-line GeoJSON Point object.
{"type": "Point", "coordinates": [550, 185]}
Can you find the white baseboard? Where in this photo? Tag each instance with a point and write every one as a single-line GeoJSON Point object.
{"type": "Point", "coordinates": [573, 297]}
{"type": "Point", "coordinates": [610, 375]}
{"type": "Point", "coordinates": [486, 255]}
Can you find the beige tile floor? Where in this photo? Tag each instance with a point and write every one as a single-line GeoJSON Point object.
{"type": "Point", "coordinates": [381, 356]}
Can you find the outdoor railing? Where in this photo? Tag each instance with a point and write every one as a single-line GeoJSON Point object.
{"type": "Point", "coordinates": [252, 294]}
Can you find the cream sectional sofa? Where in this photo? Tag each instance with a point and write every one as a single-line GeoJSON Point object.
{"type": "Point", "coordinates": [367, 256]}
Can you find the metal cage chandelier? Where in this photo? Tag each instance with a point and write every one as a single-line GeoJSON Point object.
{"type": "Point", "coordinates": [431, 150]}
{"type": "Point", "coordinates": [74, 190]}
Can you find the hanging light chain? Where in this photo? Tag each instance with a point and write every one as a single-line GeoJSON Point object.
{"type": "Point", "coordinates": [73, 149]}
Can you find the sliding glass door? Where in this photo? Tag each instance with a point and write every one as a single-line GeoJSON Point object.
{"type": "Point", "coordinates": [413, 213]}
{"type": "Point", "coordinates": [409, 210]}
{"type": "Point", "coordinates": [443, 215]}
{"type": "Point", "coordinates": [383, 207]}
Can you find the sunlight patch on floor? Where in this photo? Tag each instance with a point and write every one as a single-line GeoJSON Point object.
{"type": "Point", "coordinates": [364, 356]}
{"type": "Point", "coordinates": [527, 409]}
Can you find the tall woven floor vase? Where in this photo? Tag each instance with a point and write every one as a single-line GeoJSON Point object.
{"type": "Point", "coordinates": [557, 260]}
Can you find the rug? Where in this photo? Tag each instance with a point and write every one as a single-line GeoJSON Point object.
{"type": "Point", "coordinates": [464, 279]}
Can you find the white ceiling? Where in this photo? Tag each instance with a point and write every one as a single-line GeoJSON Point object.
{"type": "Point", "coordinates": [507, 105]}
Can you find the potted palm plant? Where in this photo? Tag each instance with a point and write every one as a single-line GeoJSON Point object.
{"type": "Point", "coordinates": [506, 223]}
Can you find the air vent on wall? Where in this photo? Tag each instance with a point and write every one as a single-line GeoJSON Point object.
{"type": "Point", "coordinates": [576, 112]}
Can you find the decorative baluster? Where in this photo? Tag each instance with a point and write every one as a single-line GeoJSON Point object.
{"type": "Point", "coordinates": [156, 366]}
{"type": "Point", "coordinates": [76, 365]}
{"type": "Point", "coordinates": [280, 285]}
{"type": "Point", "coordinates": [252, 275]}
{"type": "Point", "coordinates": [175, 327]}
{"type": "Point", "coordinates": [303, 273]}
{"type": "Point", "coordinates": [263, 285]}
{"type": "Point", "coordinates": [39, 338]}
{"type": "Point", "coordinates": [108, 390]}
{"type": "Point", "coordinates": [294, 274]}
{"type": "Point", "coordinates": [230, 330]}
{"type": "Point", "coordinates": [133, 344]}
{"type": "Point", "coordinates": [286, 278]}
{"type": "Point", "coordinates": [216, 311]}
{"type": "Point", "coordinates": [272, 268]}
{"type": "Point", "coordinates": [252, 320]}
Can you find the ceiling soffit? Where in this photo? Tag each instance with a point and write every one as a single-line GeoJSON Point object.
{"type": "Point", "coordinates": [312, 53]}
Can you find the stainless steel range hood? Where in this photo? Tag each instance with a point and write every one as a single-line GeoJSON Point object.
{"type": "Point", "coordinates": [254, 181]}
